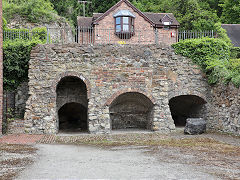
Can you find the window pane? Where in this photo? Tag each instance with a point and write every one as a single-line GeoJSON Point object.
{"type": "Point", "coordinates": [118, 28]}
{"type": "Point", "coordinates": [132, 29]}
{"type": "Point", "coordinates": [118, 20]}
{"type": "Point", "coordinates": [125, 20]}
{"type": "Point", "coordinates": [125, 28]}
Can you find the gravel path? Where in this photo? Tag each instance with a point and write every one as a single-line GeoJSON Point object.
{"type": "Point", "coordinates": [86, 162]}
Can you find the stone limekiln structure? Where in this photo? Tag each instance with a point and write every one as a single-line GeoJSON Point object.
{"type": "Point", "coordinates": [103, 88]}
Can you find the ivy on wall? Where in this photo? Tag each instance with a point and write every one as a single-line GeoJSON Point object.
{"type": "Point", "coordinates": [16, 55]}
{"type": "Point", "coordinates": [213, 57]}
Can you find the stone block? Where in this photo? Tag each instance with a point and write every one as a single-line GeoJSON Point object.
{"type": "Point", "coordinates": [195, 126]}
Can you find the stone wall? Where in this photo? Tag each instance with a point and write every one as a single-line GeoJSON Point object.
{"type": "Point", "coordinates": [224, 108]}
{"type": "Point", "coordinates": [14, 103]}
{"type": "Point", "coordinates": [108, 71]}
{"type": "Point", "coordinates": [1, 71]}
{"type": "Point", "coordinates": [131, 110]}
{"type": "Point", "coordinates": [21, 96]}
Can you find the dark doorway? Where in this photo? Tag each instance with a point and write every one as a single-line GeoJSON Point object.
{"type": "Point", "coordinates": [131, 110]}
{"type": "Point", "coordinates": [72, 104]}
{"type": "Point", "coordinates": [186, 106]}
{"type": "Point", "coordinates": [72, 117]}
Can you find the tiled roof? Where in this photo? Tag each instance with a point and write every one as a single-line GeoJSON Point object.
{"type": "Point", "coordinates": [153, 18]}
{"type": "Point", "coordinates": [84, 21]}
{"type": "Point", "coordinates": [233, 32]}
{"type": "Point", "coordinates": [156, 18]}
{"type": "Point", "coordinates": [96, 15]}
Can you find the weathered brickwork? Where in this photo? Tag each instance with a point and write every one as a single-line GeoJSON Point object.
{"type": "Point", "coordinates": [109, 72]}
{"type": "Point", "coordinates": [225, 108]}
{"type": "Point", "coordinates": [1, 70]}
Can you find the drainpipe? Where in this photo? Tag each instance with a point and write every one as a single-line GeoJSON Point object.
{"type": "Point", "coordinates": [1, 69]}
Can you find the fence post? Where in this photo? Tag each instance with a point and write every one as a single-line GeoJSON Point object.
{"type": "Point", "coordinates": [156, 36]}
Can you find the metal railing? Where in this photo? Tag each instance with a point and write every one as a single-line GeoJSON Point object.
{"type": "Point", "coordinates": [24, 34]}
{"type": "Point", "coordinates": [85, 35]}
{"type": "Point", "coordinates": [188, 34]}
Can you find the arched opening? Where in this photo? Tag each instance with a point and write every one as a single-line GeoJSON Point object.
{"type": "Point", "coordinates": [72, 117]}
{"type": "Point", "coordinates": [131, 110]}
{"type": "Point", "coordinates": [72, 105]}
{"type": "Point", "coordinates": [186, 106]}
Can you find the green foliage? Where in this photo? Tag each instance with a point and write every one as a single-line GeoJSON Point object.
{"type": "Point", "coordinates": [4, 23]}
{"type": "Point", "coordinates": [235, 52]}
{"type": "Point", "coordinates": [40, 33]}
{"type": "Point", "coordinates": [16, 54]}
{"type": "Point", "coordinates": [230, 11]}
{"type": "Point", "coordinates": [191, 14]}
{"type": "Point", "coordinates": [201, 50]}
{"type": "Point", "coordinates": [70, 9]}
{"type": "Point", "coordinates": [33, 10]}
{"type": "Point", "coordinates": [212, 55]}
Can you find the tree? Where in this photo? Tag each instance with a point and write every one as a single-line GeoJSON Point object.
{"type": "Point", "coordinates": [230, 12]}
{"type": "Point", "coordinates": [190, 14]}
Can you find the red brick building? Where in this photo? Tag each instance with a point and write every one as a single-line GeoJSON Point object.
{"type": "Point", "coordinates": [125, 24]}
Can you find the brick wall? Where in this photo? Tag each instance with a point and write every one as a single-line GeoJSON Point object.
{"type": "Point", "coordinates": [144, 32]}
{"type": "Point", "coordinates": [1, 70]}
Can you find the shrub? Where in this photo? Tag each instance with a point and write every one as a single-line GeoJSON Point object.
{"type": "Point", "coordinates": [203, 49]}
{"type": "Point", "coordinates": [212, 55]}
{"type": "Point", "coordinates": [4, 23]}
{"type": "Point", "coordinates": [235, 52]}
{"type": "Point", "coordinates": [222, 34]}
{"type": "Point", "coordinates": [16, 55]}
{"type": "Point", "coordinates": [33, 10]}
{"type": "Point", "coordinates": [39, 33]}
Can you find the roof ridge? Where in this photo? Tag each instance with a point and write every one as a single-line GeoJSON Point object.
{"type": "Point", "coordinates": [130, 5]}
{"type": "Point", "coordinates": [157, 13]}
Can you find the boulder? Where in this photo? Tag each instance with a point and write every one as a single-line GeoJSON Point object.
{"type": "Point", "coordinates": [195, 126]}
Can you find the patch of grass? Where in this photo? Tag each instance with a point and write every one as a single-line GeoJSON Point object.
{"type": "Point", "coordinates": [152, 139]}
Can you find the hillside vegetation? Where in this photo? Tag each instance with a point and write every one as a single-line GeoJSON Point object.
{"type": "Point", "coordinates": [192, 14]}
{"type": "Point", "coordinates": [34, 11]}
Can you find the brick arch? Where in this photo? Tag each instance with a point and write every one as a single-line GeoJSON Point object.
{"type": "Point", "coordinates": [190, 94]}
{"type": "Point", "coordinates": [74, 74]}
{"type": "Point", "coordinates": [136, 90]}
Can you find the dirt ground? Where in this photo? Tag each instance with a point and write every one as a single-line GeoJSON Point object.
{"type": "Point", "coordinates": [124, 155]}
{"type": "Point", "coordinates": [14, 158]}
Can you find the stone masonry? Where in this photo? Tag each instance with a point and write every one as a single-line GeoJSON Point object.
{"type": "Point", "coordinates": [114, 76]}
{"type": "Point", "coordinates": [1, 70]}
{"type": "Point", "coordinates": [224, 105]}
